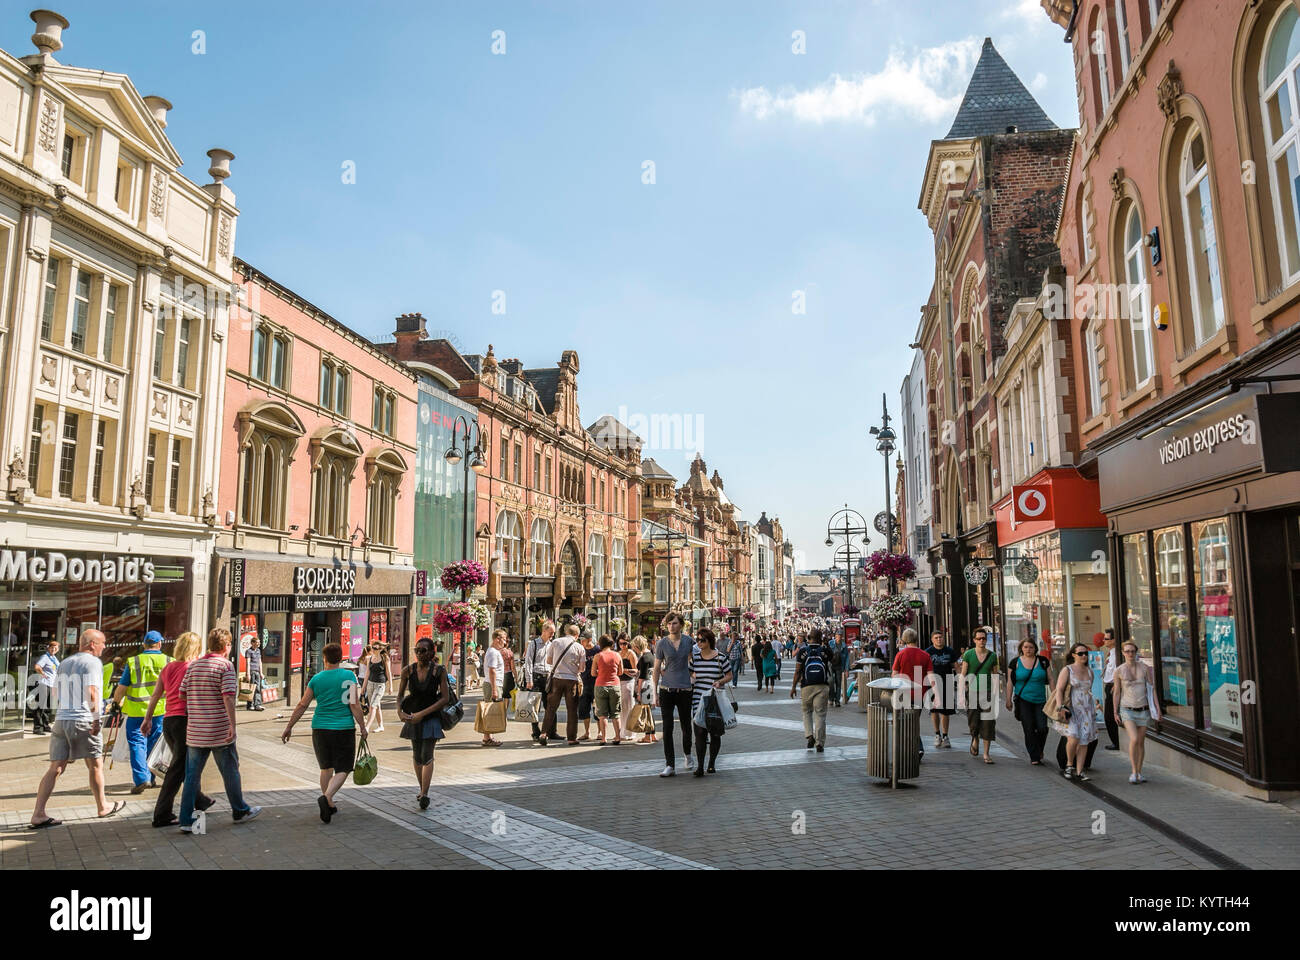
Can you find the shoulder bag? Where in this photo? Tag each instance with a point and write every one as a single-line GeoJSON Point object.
{"type": "Point", "coordinates": [454, 711]}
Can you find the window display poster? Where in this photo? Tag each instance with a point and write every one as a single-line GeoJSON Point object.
{"type": "Point", "coordinates": [295, 643]}
{"type": "Point", "coordinates": [1097, 661]}
{"type": "Point", "coordinates": [376, 628]}
{"type": "Point", "coordinates": [360, 632]}
{"type": "Point", "coordinates": [1178, 690]}
{"type": "Point", "coordinates": [247, 633]}
{"type": "Point", "coordinates": [345, 635]}
{"type": "Point", "coordinates": [1225, 687]}
{"type": "Point", "coordinates": [272, 644]}
{"type": "Point", "coordinates": [396, 624]}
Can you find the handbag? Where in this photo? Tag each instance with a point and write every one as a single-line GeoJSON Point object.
{"type": "Point", "coordinates": [528, 707]}
{"type": "Point", "coordinates": [454, 712]}
{"type": "Point", "coordinates": [646, 695]}
{"type": "Point", "coordinates": [366, 767]}
{"type": "Point", "coordinates": [731, 697]}
{"type": "Point", "coordinates": [490, 717]}
{"type": "Point", "coordinates": [160, 757]}
{"type": "Point", "coordinates": [641, 719]}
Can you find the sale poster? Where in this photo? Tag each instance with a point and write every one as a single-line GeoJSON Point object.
{"type": "Point", "coordinates": [359, 633]}
{"type": "Point", "coordinates": [247, 633]}
{"type": "Point", "coordinates": [295, 643]}
{"type": "Point", "coordinates": [345, 635]}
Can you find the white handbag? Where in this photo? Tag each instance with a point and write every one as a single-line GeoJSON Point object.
{"type": "Point", "coordinates": [647, 695]}
{"type": "Point", "coordinates": [160, 757]}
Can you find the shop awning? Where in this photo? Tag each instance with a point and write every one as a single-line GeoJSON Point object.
{"type": "Point", "coordinates": [1070, 501]}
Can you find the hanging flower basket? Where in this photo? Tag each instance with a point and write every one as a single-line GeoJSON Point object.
{"type": "Point", "coordinates": [897, 566]}
{"type": "Point", "coordinates": [722, 611]}
{"type": "Point", "coordinates": [453, 618]}
{"type": "Point", "coordinates": [481, 614]}
{"type": "Point", "coordinates": [895, 611]}
{"type": "Point", "coordinates": [580, 619]}
{"type": "Point", "coordinates": [750, 616]}
{"type": "Point", "coordinates": [617, 624]}
{"type": "Point", "coordinates": [463, 575]}
{"type": "Point", "coordinates": [852, 610]}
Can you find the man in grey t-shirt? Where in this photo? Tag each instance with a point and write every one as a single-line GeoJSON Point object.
{"type": "Point", "coordinates": [78, 684]}
{"type": "Point", "coordinates": [672, 683]}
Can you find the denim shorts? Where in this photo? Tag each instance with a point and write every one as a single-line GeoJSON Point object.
{"type": "Point", "coordinates": [1139, 716]}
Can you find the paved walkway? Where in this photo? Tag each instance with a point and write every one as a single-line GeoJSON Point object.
{"type": "Point", "coordinates": [772, 804]}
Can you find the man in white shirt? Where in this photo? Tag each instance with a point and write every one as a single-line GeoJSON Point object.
{"type": "Point", "coordinates": [494, 671]}
{"type": "Point", "coordinates": [46, 667]}
{"type": "Point", "coordinates": [536, 671]}
{"type": "Point", "coordinates": [565, 659]}
{"type": "Point", "coordinates": [1108, 682]}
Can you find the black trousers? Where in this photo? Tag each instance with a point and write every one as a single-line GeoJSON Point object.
{"type": "Point", "coordinates": [173, 731]}
{"type": "Point", "coordinates": [758, 669]}
{"type": "Point", "coordinates": [713, 740]}
{"type": "Point", "coordinates": [1108, 708]}
{"type": "Point", "coordinates": [539, 686]}
{"type": "Point", "coordinates": [1034, 724]}
{"type": "Point", "coordinates": [681, 701]}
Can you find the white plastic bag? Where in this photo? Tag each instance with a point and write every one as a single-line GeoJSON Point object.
{"type": "Point", "coordinates": [728, 712]}
{"type": "Point", "coordinates": [160, 757]}
{"type": "Point", "coordinates": [528, 706]}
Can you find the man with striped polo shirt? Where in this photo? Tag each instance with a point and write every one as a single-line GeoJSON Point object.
{"type": "Point", "coordinates": [210, 687]}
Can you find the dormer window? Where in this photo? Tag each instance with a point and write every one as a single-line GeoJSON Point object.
{"type": "Point", "coordinates": [74, 153]}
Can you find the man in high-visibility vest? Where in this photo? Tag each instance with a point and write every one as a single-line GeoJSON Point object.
{"type": "Point", "coordinates": [134, 690]}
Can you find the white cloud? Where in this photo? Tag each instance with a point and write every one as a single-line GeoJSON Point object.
{"type": "Point", "coordinates": [1039, 83]}
{"type": "Point", "coordinates": [1030, 12]}
{"type": "Point", "coordinates": [928, 86]}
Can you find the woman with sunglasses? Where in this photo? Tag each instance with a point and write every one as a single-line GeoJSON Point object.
{"type": "Point", "coordinates": [626, 677]}
{"type": "Point", "coordinates": [1077, 717]}
{"type": "Point", "coordinates": [421, 694]}
{"type": "Point", "coordinates": [378, 677]}
{"type": "Point", "coordinates": [1134, 699]}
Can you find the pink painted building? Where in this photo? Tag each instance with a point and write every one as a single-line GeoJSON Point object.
{"type": "Point", "coordinates": [317, 485]}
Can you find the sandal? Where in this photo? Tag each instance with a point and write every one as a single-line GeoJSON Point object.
{"type": "Point", "coordinates": [987, 760]}
{"type": "Point", "coordinates": [974, 748]}
{"type": "Point", "coordinates": [490, 743]}
{"type": "Point", "coordinates": [424, 803]}
{"type": "Point", "coordinates": [117, 808]}
{"type": "Point", "coordinates": [47, 822]}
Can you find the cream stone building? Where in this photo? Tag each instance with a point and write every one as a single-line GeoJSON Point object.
{"type": "Point", "coordinates": [114, 284]}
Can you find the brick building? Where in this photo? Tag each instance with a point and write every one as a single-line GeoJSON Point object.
{"type": "Point", "coordinates": [1181, 240]}
{"type": "Point", "coordinates": [991, 194]}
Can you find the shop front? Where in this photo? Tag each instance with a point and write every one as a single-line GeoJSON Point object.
{"type": "Point", "coordinates": [1204, 520]}
{"type": "Point", "coordinates": [296, 607]}
{"type": "Point", "coordinates": [1052, 564]}
{"type": "Point", "coordinates": [58, 594]}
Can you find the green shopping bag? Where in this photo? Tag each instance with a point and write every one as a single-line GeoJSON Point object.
{"type": "Point", "coordinates": [367, 766]}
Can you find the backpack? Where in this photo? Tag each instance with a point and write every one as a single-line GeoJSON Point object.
{"type": "Point", "coordinates": [814, 664]}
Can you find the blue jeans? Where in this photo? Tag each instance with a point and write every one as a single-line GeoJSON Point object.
{"type": "Point", "coordinates": [140, 748]}
{"type": "Point", "coordinates": [196, 758]}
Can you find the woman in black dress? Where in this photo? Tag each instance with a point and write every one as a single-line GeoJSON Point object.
{"type": "Point", "coordinates": [421, 694]}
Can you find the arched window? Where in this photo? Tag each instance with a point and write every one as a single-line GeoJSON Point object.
{"type": "Point", "coordinates": [1200, 239]}
{"type": "Point", "coordinates": [1278, 84]}
{"type": "Point", "coordinates": [596, 555]}
{"type": "Point", "coordinates": [1169, 557]}
{"type": "Point", "coordinates": [1136, 317]}
{"type": "Point", "coordinates": [510, 542]}
{"type": "Point", "coordinates": [1092, 364]}
{"type": "Point", "coordinates": [268, 435]}
{"type": "Point", "coordinates": [542, 546]}
{"type": "Point", "coordinates": [619, 565]}
{"type": "Point", "coordinates": [335, 454]}
{"type": "Point", "coordinates": [661, 582]}
{"type": "Point", "coordinates": [384, 471]}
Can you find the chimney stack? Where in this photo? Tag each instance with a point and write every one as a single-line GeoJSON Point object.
{"type": "Point", "coordinates": [49, 31]}
{"type": "Point", "coordinates": [158, 106]}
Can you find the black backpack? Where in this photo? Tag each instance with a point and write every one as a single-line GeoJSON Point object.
{"type": "Point", "coordinates": [814, 664]}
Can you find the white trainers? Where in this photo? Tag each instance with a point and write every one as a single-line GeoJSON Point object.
{"type": "Point", "coordinates": [669, 772]}
{"type": "Point", "coordinates": [938, 740]}
{"type": "Point", "coordinates": [1141, 779]}
{"type": "Point", "coordinates": [690, 762]}
{"type": "Point", "coordinates": [1132, 778]}
{"type": "Point", "coordinates": [250, 815]}
{"type": "Point", "coordinates": [946, 742]}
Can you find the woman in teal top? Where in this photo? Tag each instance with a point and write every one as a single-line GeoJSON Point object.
{"type": "Point", "coordinates": [1028, 679]}
{"type": "Point", "coordinates": [769, 666]}
{"type": "Point", "coordinates": [334, 725]}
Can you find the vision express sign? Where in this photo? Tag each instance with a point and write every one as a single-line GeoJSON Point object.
{"type": "Point", "coordinates": [1251, 433]}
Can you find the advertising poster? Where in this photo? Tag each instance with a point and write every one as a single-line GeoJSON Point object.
{"type": "Point", "coordinates": [358, 633]}
{"type": "Point", "coordinates": [1097, 661]}
{"type": "Point", "coordinates": [1178, 690]}
{"type": "Point", "coordinates": [1225, 687]}
{"type": "Point", "coordinates": [247, 631]}
{"type": "Point", "coordinates": [345, 635]}
{"type": "Point", "coordinates": [295, 644]}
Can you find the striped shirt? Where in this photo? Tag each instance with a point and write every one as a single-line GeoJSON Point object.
{"type": "Point", "coordinates": [706, 673]}
{"type": "Point", "coordinates": [207, 683]}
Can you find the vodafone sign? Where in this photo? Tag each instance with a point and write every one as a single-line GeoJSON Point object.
{"type": "Point", "coordinates": [1031, 503]}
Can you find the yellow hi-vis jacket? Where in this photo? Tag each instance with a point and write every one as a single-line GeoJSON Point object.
{"type": "Point", "coordinates": [144, 671]}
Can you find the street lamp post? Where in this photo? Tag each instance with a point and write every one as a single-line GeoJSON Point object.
{"type": "Point", "coordinates": [885, 438]}
{"type": "Point", "coordinates": [473, 460]}
{"type": "Point", "coordinates": [846, 524]}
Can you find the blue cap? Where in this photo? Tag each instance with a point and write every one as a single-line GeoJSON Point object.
{"type": "Point", "coordinates": [152, 638]}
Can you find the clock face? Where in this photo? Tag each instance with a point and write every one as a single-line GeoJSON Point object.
{"type": "Point", "coordinates": [881, 522]}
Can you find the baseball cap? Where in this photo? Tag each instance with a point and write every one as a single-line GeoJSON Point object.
{"type": "Point", "coordinates": [152, 637]}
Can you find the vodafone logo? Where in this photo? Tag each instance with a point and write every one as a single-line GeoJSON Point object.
{"type": "Point", "coordinates": [1032, 503]}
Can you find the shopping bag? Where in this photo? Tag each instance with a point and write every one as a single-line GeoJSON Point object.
{"type": "Point", "coordinates": [528, 707]}
{"type": "Point", "coordinates": [727, 711]}
{"type": "Point", "coordinates": [160, 757]}
{"type": "Point", "coordinates": [121, 747]}
{"type": "Point", "coordinates": [641, 719]}
{"type": "Point", "coordinates": [699, 716]}
{"type": "Point", "coordinates": [646, 694]}
{"type": "Point", "coordinates": [491, 716]}
{"type": "Point", "coordinates": [366, 767]}
{"type": "Point", "coordinates": [246, 691]}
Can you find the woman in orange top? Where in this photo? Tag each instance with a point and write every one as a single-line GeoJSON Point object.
{"type": "Point", "coordinates": [608, 700]}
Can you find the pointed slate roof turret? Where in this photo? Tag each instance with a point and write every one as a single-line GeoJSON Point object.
{"type": "Point", "coordinates": [996, 100]}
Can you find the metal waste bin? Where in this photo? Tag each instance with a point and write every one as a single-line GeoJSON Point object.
{"type": "Point", "coordinates": [868, 670]}
{"type": "Point", "coordinates": [893, 742]}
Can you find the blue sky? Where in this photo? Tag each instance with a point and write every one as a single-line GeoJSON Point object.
{"type": "Point", "coordinates": [523, 173]}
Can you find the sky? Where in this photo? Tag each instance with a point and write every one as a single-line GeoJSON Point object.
{"type": "Point", "coordinates": [725, 229]}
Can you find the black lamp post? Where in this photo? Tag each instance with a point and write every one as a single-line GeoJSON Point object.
{"type": "Point", "coordinates": [846, 524]}
{"type": "Point", "coordinates": [472, 457]}
{"type": "Point", "coordinates": [885, 438]}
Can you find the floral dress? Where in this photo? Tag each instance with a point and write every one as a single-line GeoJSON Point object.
{"type": "Point", "coordinates": [1083, 710]}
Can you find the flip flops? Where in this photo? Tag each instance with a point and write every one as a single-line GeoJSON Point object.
{"type": "Point", "coordinates": [117, 808]}
{"type": "Point", "coordinates": [47, 822]}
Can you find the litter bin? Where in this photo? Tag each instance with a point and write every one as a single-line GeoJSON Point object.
{"type": "Point", "coordinates": [868, 670]}
{"type": "Point", "coordinates": [893, 742]}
